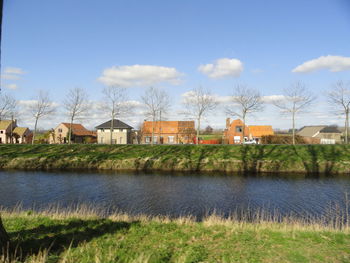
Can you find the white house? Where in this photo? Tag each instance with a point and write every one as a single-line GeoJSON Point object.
{"type": "Point", "coordinates": [121, 133]}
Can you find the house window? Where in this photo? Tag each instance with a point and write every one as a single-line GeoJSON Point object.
{"type": "Point", "coordinates": [239, 129]}
{"type": "Point", "coordinates": [171, 139]}
{"type": "Point", "coordinates": [155, 139]}
{"type": "Point", "coordinates": [147, 139]}
{"type": "Point", "coordinates": [60, 130]}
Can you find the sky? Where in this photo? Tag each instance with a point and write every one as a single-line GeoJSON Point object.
{"type": "Point", "coordinates": [57, 45]}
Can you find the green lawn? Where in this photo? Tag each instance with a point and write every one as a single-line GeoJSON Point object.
{"type": "Point", "coordinates": [44, 238]}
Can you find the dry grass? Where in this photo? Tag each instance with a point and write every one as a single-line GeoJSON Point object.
{"type": "Point", "coordinates": [338, 219]}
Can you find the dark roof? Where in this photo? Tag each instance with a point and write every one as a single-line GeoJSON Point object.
{"type": "Point", "coordinates": [330, 129]}
{"type": "Point", "coordinates": [117, 124]}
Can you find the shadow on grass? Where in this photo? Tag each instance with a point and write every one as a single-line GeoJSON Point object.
{"type": "Point", "coordinates": [58, 237]}
{"type": "Point", "coordinates": [320, 159]}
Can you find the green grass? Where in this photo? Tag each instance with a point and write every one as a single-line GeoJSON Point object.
{"type": "Point", "coordinates": [76, 237]}
{"type": "Point", "coordinates": [330, 159]}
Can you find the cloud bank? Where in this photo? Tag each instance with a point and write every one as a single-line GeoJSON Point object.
{"type": "Point", "coordinates": [16, 71]}
{"type": "Point", "coordinates": [331, 63]}
{"type": "Point", "coordinates": [11, 86]}
{"type": "Point", "coordinates": [223, 67]}
{"type": "Point", "coordinates": [139, 75]}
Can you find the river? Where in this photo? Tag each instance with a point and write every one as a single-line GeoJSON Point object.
{"type": "Point", "coordinates": [174, 194]}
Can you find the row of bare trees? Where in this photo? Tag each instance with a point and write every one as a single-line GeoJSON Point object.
{"type": "Point", "coordinates": [196, 104]}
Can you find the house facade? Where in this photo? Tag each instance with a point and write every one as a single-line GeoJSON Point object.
{"type": "Point", "coordinates": [233, 134]}
{"type": "Point", "coordinates": [80, 134]}
{"type": "Point", "coordinates": [321, 134]}
{"type": "Point", "coordinates": [121, 133]}
{"type": "Point", "coordinates": [168, 132]}
{"type": "Point", "coordinates": [11, 133]}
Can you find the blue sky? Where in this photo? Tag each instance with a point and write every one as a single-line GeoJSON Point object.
{"type": "Point", "coordinates": [58, 45]}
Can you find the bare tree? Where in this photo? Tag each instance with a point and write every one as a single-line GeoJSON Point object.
{"type": "Point", "coordinates": [339, 98]}
{"type": "Point", "coordinates": [8, 106]}
{"type": "Point", "coordinates": [295, 100]}
{"type": "Point", "coordinates": [4, 238]}
{"type": "Point", "coordinates": [40, 108]}
{"type": "Point", "coordinates": [116, 104]}
{"type": "Point", "coordinates": [198, 103]}
{"type": "Point", "coordinates": [77, 105]}
{"type": "Point", "coordinates": [157, 103]}
{"type": "Point", "coordinates": [244, 101]}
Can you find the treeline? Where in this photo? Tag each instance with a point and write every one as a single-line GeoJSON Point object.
{"type": "Point", "coordinates": [196, 104]}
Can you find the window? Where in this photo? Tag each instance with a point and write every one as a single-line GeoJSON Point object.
{"type": "Point", "coordinates": [147, 139]}
{"type": "Point", "coordinates": [155, 139]}
{"type": "Point", "coordinates": [171, 139]}
{"type": "Point", "coordinates": [60, 130]}
{"type": "Point", "coordinates": [239, 129]}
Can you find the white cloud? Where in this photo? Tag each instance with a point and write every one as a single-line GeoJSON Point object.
{"type": "Point", "coordinates": [139, 75]}
{"type": "Point", "coordinates": [272, 98]}
{"type": "Point", "coordinates": [332, 63]}
{"type": "Point", "coordinates": [11, 86]}
{"type": "Point", "coordinates": [9, 76]}
{"type": "Point", "coordinates": [223, 67]}
{"type": "Point", "coordinates": [10, 70]}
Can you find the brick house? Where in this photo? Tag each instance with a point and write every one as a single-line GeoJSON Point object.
{"type": "Point", "coordinates": [79, 134]}
{"type": "Point", "coordinates": [168, 132]}
{"type": "Point", "coordinates": [11, 133]}
{"type": "Point", "coordinates": [233, 134]}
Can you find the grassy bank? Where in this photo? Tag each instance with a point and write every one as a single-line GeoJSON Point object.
{"type": "Point", "coordinates": [83, 236]}
{"type": "Point", "coordinates": [330, 159]}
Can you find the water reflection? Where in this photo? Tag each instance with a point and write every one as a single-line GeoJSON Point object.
{"type": "Point", "coordinates": [173, 194]}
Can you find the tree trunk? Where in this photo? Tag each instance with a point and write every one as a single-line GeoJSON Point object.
{"type": "Point", "coordinates": [243, 129]}
{"type": "Point", "coordinates": [154, 119]}
{"type": "Point", "coordinates": [34, 132]}
{"type": "Point", "coordinates": [4, 239]}
{"type": "Point", "coordinates": [198, 128]}
{"type": "Point", "coordinates": [347, 127]}
{"type": "Point", "coordinates": [70, 132]}
{"type": "Point", "coordinates": [293, 127]}
{"type": "Point", "coordinates": [111, 130]}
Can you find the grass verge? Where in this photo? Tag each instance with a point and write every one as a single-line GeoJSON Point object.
{"type": "Point", "coordinates": [326, 159]}
{"type": "Point", "coordinates": [82, 235]}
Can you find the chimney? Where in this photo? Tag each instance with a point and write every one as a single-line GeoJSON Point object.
{"type": "Point", "coordinates": [228, 122]}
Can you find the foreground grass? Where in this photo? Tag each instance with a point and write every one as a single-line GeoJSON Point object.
{"type": "Point", "coordinates": [328, 159]}
{"type": "Point", "coordinates": [86, 237]}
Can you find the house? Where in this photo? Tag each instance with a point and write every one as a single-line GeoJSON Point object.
{"type": "Point", "coordinates": [233, 134]}
{"type": "Point", "coordinates": [11, 133]}
{"type": "Point", "coordinates": [323, 134]}
{"type": "Point", "coordinates": [80, 134]}
{"type": "Point", "coordinates": [121, 133]}
{"type": "Point", "coordinates": [168, 132]}
{"type": "Point", "coordinates": [22, 135]}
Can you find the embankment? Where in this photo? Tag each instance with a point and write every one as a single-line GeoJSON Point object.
{"type": "Point", "coordinates": [83, 237]}
{"type": "Point", "coordinates": [322, 159]}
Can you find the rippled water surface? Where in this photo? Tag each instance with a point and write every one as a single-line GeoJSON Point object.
{"type": "Point", "coordinates": [173, 194]}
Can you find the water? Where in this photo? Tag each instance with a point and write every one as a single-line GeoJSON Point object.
{"type": "Point", "coordinates": [173, 194]}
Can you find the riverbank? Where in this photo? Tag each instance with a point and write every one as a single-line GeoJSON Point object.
{"type": "Point", "coordinates": [81, 235]}
{"type": "Point", "coordinates": [322, 159]}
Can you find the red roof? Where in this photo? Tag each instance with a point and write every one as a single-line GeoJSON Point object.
{"type": "Point", "coordinates": [79, 130]}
